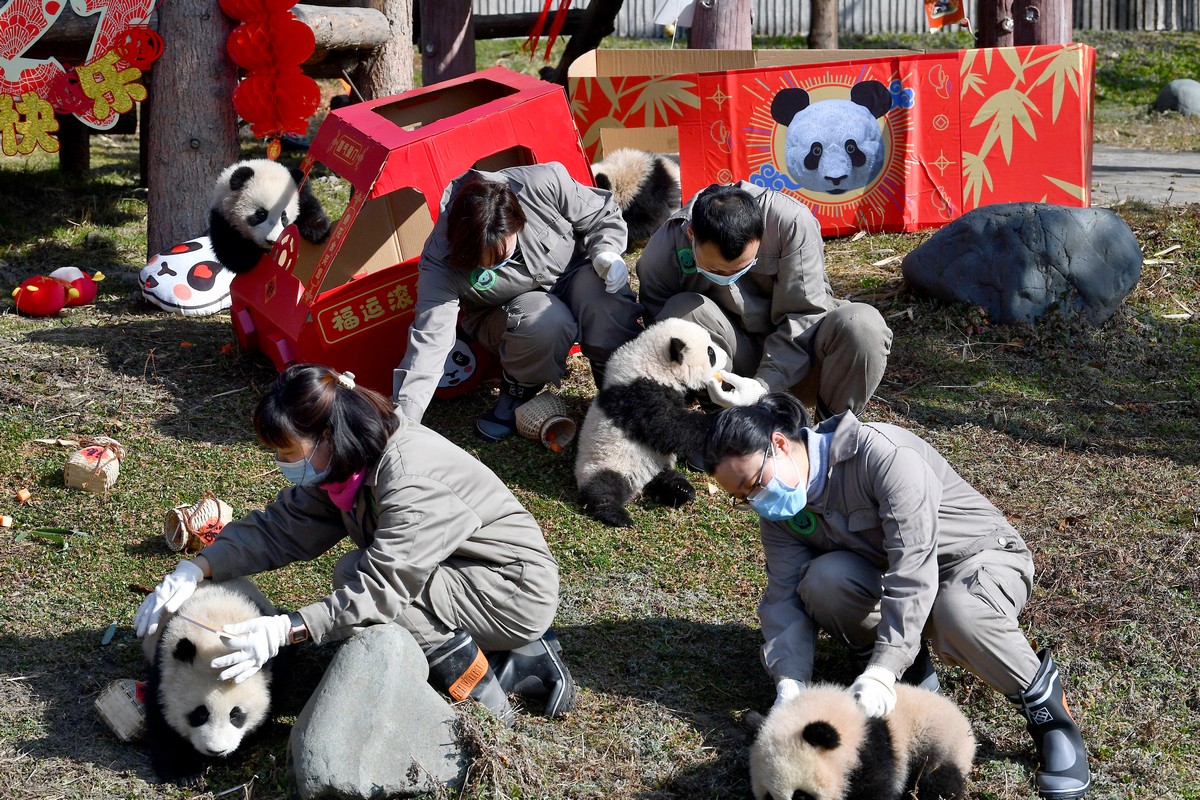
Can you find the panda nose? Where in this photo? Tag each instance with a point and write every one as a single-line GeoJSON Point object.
{"type": "Point", "coordinates": [836, 181]}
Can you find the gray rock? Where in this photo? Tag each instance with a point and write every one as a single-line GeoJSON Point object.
{"type": "Point", "coordinates": [1182, 95]}
{"type": "Point", "coordinates": [374, 727]}
{"type": "Point", "coordinates": [1020, 260]}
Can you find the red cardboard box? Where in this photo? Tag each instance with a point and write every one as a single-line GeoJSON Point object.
{"type": "Point", "coordinates": [348, 303]}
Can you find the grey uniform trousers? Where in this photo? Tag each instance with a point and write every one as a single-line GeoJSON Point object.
{"type": "Point", "coordinates": [848, 350]}
{"type": "Point", "coordinates": [534, 332]}
{"type": "Point", "coordinates": [973, 623]}
{"type": "Point", "coordinates": [502, 607]}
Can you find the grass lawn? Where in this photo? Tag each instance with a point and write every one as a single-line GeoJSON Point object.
{"type": "Point", "coordinates": [1087, 438]}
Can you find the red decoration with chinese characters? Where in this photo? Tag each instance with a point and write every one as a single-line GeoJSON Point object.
{"type": "Point", "coordinates": [275, 96]}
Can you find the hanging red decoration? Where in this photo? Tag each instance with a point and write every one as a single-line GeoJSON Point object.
{"type": "Point", "coordinates": [139, 46]}
{"type": "Point", "coordinates": [274, 96]}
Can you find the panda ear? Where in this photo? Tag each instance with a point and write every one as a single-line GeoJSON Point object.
{"type": "Point", "coordinates": [821, 734]}
{"type": "Point", "coordinates": [873, 96]}
{"type": "Point", "coordinates": [185, 651]}
{"type": "Point", "coordinates": [787, 104]}
{"type": "Point", "coordinates": [677, 348]}
{"type": "Point", "coordinates": [240, 177]}
{"type": "Point", "coordinates": [602, 182]}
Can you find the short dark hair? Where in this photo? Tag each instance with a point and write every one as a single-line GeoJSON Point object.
{"type": "Point", "coordinates": [481, 217]}
{"type": "Point", "coordinates": [728, 217]}
{"type": "Point", "coordinates": [744, 430]}
{"type": "Point", "coordinates": [309, 401]}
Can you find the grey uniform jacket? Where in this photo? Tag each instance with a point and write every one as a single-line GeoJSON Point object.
{"type": "Point", "coordinates": [423, 501]}
{"type": "Point", "coordinates": [892, 499]}
{"type": "Point", "coordinates": [566, 224]}
{"type": "Point", "coordinates": [777, 302]}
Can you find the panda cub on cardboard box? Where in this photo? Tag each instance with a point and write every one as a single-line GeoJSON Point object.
{"type": "Point", "coordinates": [252, 202]}
{"type": "Point", "coordinates": [192, 716]}
{"type": "Point", "coordinates": [821, 745]}
{"type": "Point", "coordinates": [642, 418]}
{"type": "Point", "coordinates": [644, 185]}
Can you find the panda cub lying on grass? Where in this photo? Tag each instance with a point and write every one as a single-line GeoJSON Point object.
{"type": "Point", "coordinates": [192, 716]}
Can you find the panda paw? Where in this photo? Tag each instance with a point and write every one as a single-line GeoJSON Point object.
{"type": "Point", "coordinates": [670, 488]}
{"type": "Point", "coordinates": [613, 516]}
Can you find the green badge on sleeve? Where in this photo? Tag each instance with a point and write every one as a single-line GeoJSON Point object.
{"type": "Point", "coordinates": [803, 524]}
{"type": "Point", "coordinates": [687, 261]}
{"type": "Point", "coordinates": [483, 279]}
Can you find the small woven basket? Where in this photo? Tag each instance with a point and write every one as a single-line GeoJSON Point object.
{"type": "Point", "coordinates": [96, 466]}
{"type": "Point", "coordinates": [121, 707]}
{"type": "Point", "coordinates": [192, 528]}
{"type": "Point", "coordinates": [544, 419]}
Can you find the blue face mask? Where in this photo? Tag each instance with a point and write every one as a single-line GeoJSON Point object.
{"type": "Point", "coordinates": [777, 501]}
{"type": "Point", "coordinates": [725, 280]}
{"type": "Point", "coordinates": [302, 472]}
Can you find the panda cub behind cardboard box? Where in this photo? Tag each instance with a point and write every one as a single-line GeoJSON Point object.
{"type": "Point", "coordinates": [192, 716]}
{"type": "Point", "coordinates": [821, 745]}
{"type": "Point", "coordinates": [644, 185]}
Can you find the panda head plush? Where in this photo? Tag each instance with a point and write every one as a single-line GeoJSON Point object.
{"type": "Point", "coordinates": [252, 202]}
{"type": "Point", "coordinates": [821, 745]}
{"type": "Point", "coordinates": [192, 715]}
{"type": "Point", "coordinates": [833, 146]}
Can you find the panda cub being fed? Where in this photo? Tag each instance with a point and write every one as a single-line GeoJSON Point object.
{"type": "Point", "coordinates": [642, 418]}
{"type": "Point", "coordinates": [252, 202]}
{"type": "Point", "coordinates": [192, 716]}
{"type": "Point", "coordinates": [821, 745]}
{"type": "Point", "coordinates": [644, 185]}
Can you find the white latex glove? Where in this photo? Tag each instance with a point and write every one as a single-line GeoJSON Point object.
{"type": "Point", "coordinates": [167, 596]}
{"type": "Point", "coordinates": [254, 643]}
{"type": "Point", "coordinates": [743, 391]}
{"type": "Point", "coordinates": [786, 690]}
{"type": "Point", "coordinates": [875, 691]}
{"type": "Point", "coordinates": [613, 270]}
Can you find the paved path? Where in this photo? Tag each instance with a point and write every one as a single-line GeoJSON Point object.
{"type": "Point", "coordinates": [1119, 173]}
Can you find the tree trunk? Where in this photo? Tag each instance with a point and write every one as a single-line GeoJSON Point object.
{"type": "Point", "coordinates": [447, 40]}
{"type": "Point", "coordinates": [390, 70]}
{"type": "Point", "coordinates": [599, 21]}
{"type": "Point", "coordinates": [193, 130]}
{"type": "Point", "coordinates": [1041, 22]}
{"type": "Point", "coordinates": [823, 29]}
{"type": "Point", "coordinates": [721, 25]}
{"type": "Point", "coordinates": [995, 23]}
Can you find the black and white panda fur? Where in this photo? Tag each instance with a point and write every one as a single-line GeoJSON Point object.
{"type": "Point", "coordinates": [642, 418]}
{"type": "Point", "coordinates": [252, 202]}
{"type": "Point", "coordinates": [192, 716]}
{"type": "Point", "coordinates": [833, 146]}
{"type": "Point", "coordinates": [821, 745]}
{"type": "Point", "coordinates": [645, 186]}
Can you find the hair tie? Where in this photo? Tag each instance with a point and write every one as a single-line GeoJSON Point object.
{"type": "Point", "coordinates": [346, 379]}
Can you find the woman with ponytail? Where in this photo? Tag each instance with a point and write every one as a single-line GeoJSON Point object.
{"type": "Point", "coordinates": [443, 548]}
{"type": "Point", "coordinates": [872, 536]}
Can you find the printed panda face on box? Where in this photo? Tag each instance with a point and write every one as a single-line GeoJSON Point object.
{"type": "Point", "coordinates": [187, 279]}
{"type": "Point", "coordinates": [834, 146]}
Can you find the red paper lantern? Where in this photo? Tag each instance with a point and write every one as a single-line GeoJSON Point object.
{"type": "Point", "coordinates": [271, 43]}
{"type": "Point", "coordinates": [249, 9]}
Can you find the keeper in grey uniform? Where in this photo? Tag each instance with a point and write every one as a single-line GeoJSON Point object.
{"type": "Point", "coordinates": [442, 547]}
{"type": "Point", "coordinates": [534, 261]}
{"type": "Point", "coordinates": [871, 536]}
{"type": "Point", "coordinates": [747, 264]}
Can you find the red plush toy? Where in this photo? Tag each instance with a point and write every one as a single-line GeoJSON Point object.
{"type": "Point", "coordinates": [86, 284]}
{"type": "Point", "coordinates": [42, 295]}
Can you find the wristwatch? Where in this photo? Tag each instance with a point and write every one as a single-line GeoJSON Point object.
{"type": "Point", "coordinates": [299, 631]}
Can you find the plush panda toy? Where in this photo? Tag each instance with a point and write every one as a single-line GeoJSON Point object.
{"type": "Point", "coordinates": [642, 418]}
{"type": "Point", "coordinates": [644, 185]}
{"type": "Point", "coordinates": [192, 716]}
{"type": "Point", "coordinates": [833, 146]}
{"type": "Point", "coordinates": [252, 202]}
{"type": "Point", "coordinates": [822, 745]}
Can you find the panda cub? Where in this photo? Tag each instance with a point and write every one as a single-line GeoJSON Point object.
{"type": "Point", "coordinates": [192, 716]}
{"type": "Point", "coordinates": [821, 745]}
{"type": "Point", "coordinates": [644, 185]}
{"type": "Point", "coordinates": [252, 202]}
{"type": "Point", "coordinates": [642, 417]}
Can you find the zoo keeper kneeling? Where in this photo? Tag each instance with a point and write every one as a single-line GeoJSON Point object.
{"type": "Point", "coordinates": [443, 547]}
{"type": "Point", "coordinates": [872, 536]}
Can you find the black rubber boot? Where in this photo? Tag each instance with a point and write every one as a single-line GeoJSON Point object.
{"type": "Point", "coordinates": [501, 423]}
{"type": "Point", "coordinates": [536, 671]}
{"type": "Point", "coordinates": [921, 673]}
{"type": "Point", "coordinates": [460, 669]}
{"type": "Point", "coordinates": [1062, 759]}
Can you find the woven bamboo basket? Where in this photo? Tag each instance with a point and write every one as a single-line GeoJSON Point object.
{"type": "Point", "coordinates": [192, 528]}
{"type": "Point", "coordinates": [121, 707]}
{"type": "Point", "coordinates": [544, 419]}
{"type": "Point", "coordinates": [95, 466]}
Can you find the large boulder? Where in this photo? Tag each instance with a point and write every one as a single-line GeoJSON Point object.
{"type": "Point", "coordinates": [374, 727]}
{"type": "Point", "coordinates": [1182, 95]}
{"type": "Point", "coordinates": [1020, 260]}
